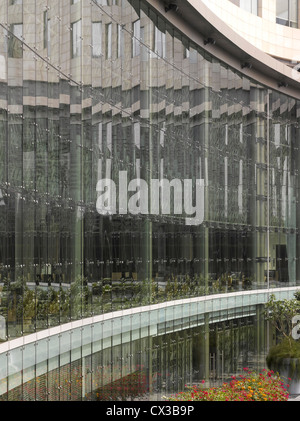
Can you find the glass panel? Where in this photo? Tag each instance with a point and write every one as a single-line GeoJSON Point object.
{"type": "Point", "coordinates": [142, 96]}
{"type": "Point", "coordinates": [108, 35]}
{"type": "Point", "coordinates": [75, 344]}
{"type": "Point", "coordinates": [97, 39]}
{"type": "Point", "coordinates": [294, 13]}
{"type": "Point", "coordinates": [136, 38]}
{"type": "Point", "coordinates": [15, 374]}
{"type": "Point", "coordinates": [249, 5]}
{"type": "Point", "coordinates": [3, 374]}
{"type": "Point", "coordinates": [282, 9]}
{"type": "Point", "coordinates": [76, 39]}
{"type": "Point", "coordinates": [15, 48]}
{"type": "Point", "coordinates": [287, 12]}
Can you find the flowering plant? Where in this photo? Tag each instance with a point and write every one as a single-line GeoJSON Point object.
{"type": "Point", "coordinates": [265, 386]}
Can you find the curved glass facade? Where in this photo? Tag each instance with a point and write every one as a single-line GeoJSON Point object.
{"type": "Point", "coordinates": [140, 354]}
{"type": "Point", "coordinates": [98, 91]}
{"type": "Point", "coordinates": [146, 368]}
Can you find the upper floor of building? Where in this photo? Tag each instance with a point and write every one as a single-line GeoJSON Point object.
{"type": "Point", "coordinates": [270, 25]}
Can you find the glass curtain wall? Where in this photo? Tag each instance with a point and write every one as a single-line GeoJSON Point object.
{"type": "Point", "coordinates": [110, 363]}
{"type": "Point", "coordinates": [108, 90]}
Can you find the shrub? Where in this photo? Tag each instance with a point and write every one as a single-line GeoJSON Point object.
{"type": "Point", "coordinates": [265, 386]}
{"type": "Point", "coordinates": [285, 354]}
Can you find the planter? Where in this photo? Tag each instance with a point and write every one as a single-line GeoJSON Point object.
{"type": "Point", "coordinates": [289, 371]}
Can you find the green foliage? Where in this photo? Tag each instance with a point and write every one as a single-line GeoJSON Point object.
{"type": "Point", "coordinates": [39, 306]}
{"type": "Point", "coordinates": [286, 353]}
{"type": "Point", "coordinates": [297, 295]}
{"type": "Point", "coordinates": [280, 314]}
{"type": "Point", "coordinates": [284, 348]}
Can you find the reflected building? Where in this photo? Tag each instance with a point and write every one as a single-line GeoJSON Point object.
{"type": "Point", "coordinates": [100, 101]}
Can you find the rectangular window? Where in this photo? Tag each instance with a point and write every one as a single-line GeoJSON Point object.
{"type": "Point", "coordinates": [287, 13]}
{"type": "Point", "coordinates": [186, 50]}
{"type": "Point", "coordinates": [293, 12]}
{"type": "Point", "coordinates": [16, 2]}
{"type": "Point", "coordinates": [282, 12]}
{"type": "Point", "coordinates": [102, 2]}
{"type": "Point", "coordinates": [108, 36]}
{"type": "Point", "coordinates": [120, 41]}
{"type": "Point", "coordinates": [47, 37]}
{"type": "Point", "coordinates": [97, 39]}
{"type": "Point", "coordinates": [248, 5]}
{"type": "Point", "coordinates": [15, 48]}
{"type": "Point", "coordinates": [136, 35]}
{"type": "Point", "coordinates": [76, 39]}
{"type": "Point", "coordinates": [144, 50]}
{"type": "Point", "coordinates": [159, 43]}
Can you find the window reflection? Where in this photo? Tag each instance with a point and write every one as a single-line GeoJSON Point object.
{"type": "Point", "coordinates": [15, 49]}
{"type": "Point", "coordinates": [76, 39]}
{"type": "Point", "coordinates": [156, 107]}
{"type": "Point", "coordinates": [287, 12]}
{"type": "Point", "coordinates": [97, 39]}
{"type": "Point", "coordinates": [141, 367]}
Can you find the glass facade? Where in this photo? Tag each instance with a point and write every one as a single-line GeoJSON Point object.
{"type": "Point", "coordinates": [140, 355]}
{"type": "Point", "coordinates": [144, 369]}
{"type": "Point", "coordinates": [99, 101]}
{"type": "Point", "coordinates": [92, 90]}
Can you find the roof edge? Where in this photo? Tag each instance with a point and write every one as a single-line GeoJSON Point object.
{"type": "Point", "coordinates": [195, 20]}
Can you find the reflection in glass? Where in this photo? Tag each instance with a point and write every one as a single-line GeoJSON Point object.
{"type": "Point", "coordinates": [155, 106]}
{"type": "Point", "coordinates": [287, 12]}
{"type": "Point", "coordinates": [15, 49]}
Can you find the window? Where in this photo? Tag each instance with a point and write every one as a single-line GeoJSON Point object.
{"type": "Point", "coordinates": [16, 2]}
{"type": "Point", "coordinates": [248, 5]}
{"type": "Point", "coordinates": [97, 39]}
{"type": "Point", "coordinates": [186, 50]}
{"type": "Point", "coordinates": [159, 43]}
{"type": "Point", "coordinates": [287, 12]}
{"type": "Point", "coordinates": [15, 48]}
{"type": "Point", "coordinates": [108, 3]}
{"type": "Point", "coordinates": [136, 30]}
{"type": "Point", "coordinates": [102, 2]}
{"type": "Point", "coordinates": [120, 41]}
{"type": "Point", "coordinates": [47, 37]}
{"type": "Point", "coordinates": [144, 50]}
{"type": "Point", "coordinates": [108, 33]}
{"type": "Point", "coordinates": [76, 39]}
